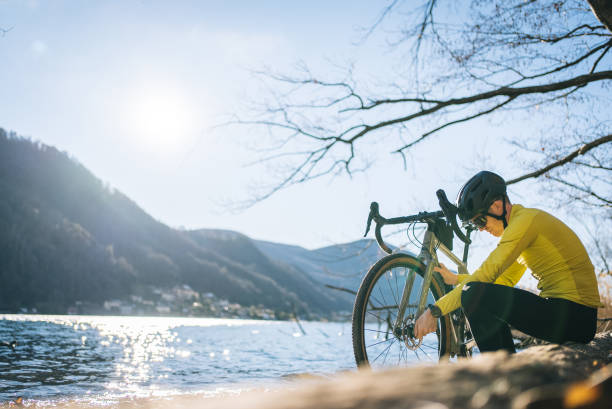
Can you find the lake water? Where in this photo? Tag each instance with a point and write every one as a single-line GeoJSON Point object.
{"type": "Point", "coordinates": [102, 360]}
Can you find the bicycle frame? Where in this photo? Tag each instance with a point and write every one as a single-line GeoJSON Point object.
{"type": "Point", "coordinates": [429, 256]}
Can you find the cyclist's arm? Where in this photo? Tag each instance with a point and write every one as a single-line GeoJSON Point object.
{"type": "Point", "coordinates": [512, 275]}
{"type": "Point", "coordinates": [515, 239]}
{"type": "Point", "coordinates": [462, 277]}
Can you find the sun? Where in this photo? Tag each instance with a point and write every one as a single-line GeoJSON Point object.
{"type": "Point", "coordinates": [160, 119]}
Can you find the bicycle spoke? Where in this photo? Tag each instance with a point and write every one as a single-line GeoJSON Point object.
{"type": "Point", "coordinates": [391, 288]}
{"type": "Point", "coordinates": [383, 351]}
{"type": "Point", "coordinates": [374, 330]}
{"type": "Point", "coordinates": [380, 321]}
{"type": "Point", "coordinates": [386, 333]}
{"type": "Point", "coordinates": [425, 353]}
{"type": "Point", "coordinates": [387, 354]}
{"type": "Point", "coordinates": [429, 346]}
{"type": "Point", "coordinates": [376, 316]}
{"type": "Point", "coordinates": [380, 342]}
{"type": "Point", "coordinates": [391, 315]}
{"type": "Point", "coordinates": [383, 297]}
{"type": "Point", "coordinates": [375, 299]}
{"type": "Point", "coordinates": [399, 356]}
{"type": "Point", "coordinates": [397, 286]}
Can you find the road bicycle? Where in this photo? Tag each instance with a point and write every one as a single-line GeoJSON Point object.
{"type": "Point", "coordinates": [399, 287]}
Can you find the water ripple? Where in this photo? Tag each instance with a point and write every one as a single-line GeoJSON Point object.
{"type": "Point", "coordinates": [103, 359]}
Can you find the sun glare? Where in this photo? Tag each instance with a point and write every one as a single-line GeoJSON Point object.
{"type": "Point", "coordinates": [160, 120]}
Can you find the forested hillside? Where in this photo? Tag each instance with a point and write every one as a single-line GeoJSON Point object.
{"type": "Point", "coordinates": [66, 237]}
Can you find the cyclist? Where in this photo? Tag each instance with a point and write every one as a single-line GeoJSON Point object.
{"type": "Point", "coordinates": [565, 309]}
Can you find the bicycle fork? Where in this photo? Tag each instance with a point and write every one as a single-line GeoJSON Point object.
{"type": "Point", "coordinates": [427, 250]}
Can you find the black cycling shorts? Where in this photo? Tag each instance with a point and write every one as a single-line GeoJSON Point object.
{"type": "Point", "coordinates": [491, 308]}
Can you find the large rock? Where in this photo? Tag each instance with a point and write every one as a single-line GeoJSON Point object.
{"type": "Point", "coordinates": [538, 375]}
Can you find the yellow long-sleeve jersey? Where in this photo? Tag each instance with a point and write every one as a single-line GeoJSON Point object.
{"type": "Point", "coordinates": [539, 241]}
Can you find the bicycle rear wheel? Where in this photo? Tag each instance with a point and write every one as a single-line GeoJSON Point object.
{"type": "Point", "coordinates": [377, 342]}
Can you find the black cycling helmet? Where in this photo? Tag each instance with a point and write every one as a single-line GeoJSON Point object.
{"type": "Point", "coordinates": [479, 193]}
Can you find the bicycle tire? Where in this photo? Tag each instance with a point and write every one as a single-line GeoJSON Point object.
{"type": "Point", "coordinates": [365, 305]}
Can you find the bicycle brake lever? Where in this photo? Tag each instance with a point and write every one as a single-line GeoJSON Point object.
{"type": "Point", "coordinates": [373, 212]}
{"type": "Point", "coordinates": [447, 207]}
{"type": "Point", "coordinates": [450, 211]}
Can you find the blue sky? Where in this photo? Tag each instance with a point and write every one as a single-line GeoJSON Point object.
{"type": "Point", "coordinates": [132, 88]}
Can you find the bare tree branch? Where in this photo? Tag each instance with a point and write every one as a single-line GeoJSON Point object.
{"type": "Point", "coordinates": [592, 166]}
{"type": "Point", "coordinates": [346, 290]}
{"type": "Point", "coordinates": [427, 20]}
{"type": "Point", "coordinates": [426, 134]}
{"type": "Point", "coordinates": [502, 91]}
{"type": "Point", "coordinates": [581, 151]}
{"type": "Point", "coordinates": [605, 45]}
{"type": "Point", "coordinates": [596, 240]}
{"type": "Point", "coordinates": [607, 203]}
{"type": "Point", "coordinates": [384, 13]}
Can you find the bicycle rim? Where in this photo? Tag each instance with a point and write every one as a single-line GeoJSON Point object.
{"type": "Point", "coordinates": [377, 340]}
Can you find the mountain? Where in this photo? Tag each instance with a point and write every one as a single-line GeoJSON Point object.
{"type": "Point", "coordinates": [245, 251]}
{"type": "Point", "coordinates": [66, 237]}
{"type": "Point", "coordinates": [340, 265]}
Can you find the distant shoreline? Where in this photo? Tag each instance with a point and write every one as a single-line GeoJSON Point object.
{"type": "Point", "coordinates": [4, 316]}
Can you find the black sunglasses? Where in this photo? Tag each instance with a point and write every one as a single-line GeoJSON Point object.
{"type": "Point", "coordinates": [479, 221]}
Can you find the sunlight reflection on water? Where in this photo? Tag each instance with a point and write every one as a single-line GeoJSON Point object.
{"type": "Point", "coordinates": [101, 359]}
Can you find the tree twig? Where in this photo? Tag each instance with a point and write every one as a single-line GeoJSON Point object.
{"type": "Point", "coordinates": [346, 290]}
{"type": "Point", "coordinates": [581, 189]}
{"type": "Point", "coordinates": [580, 151]}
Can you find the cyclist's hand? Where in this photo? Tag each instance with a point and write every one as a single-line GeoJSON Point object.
{"type": "Point", "coordinates": [425, 324]}
{"type": "Point", "coordinates": [448, 276]}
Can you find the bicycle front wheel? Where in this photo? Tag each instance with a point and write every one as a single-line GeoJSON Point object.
{"type": "Point", "coordinates": [378, 340]}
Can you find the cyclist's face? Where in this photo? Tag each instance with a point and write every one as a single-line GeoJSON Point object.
{"type": "Point", "coordinates": [488, 223]}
